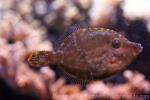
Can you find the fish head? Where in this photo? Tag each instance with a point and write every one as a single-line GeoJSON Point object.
{"type": "Point", "coordinates": [106, 51]}
{"type": "Point", "coordinates": [120, 52]}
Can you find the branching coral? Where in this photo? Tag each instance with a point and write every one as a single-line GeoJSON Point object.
{"type": "Point", "coordinates": [130, 90]}
{"type": "Point", "coordinates": [17, 41]}
{"type": "Point", "coordinates": [23, 24]}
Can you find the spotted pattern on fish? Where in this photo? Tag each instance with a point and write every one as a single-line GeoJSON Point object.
{"type": "Point", "coordinates": [90, 54]}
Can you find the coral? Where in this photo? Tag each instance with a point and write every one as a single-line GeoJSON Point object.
{"type": "Point", "coordinates": [132, 89]}
{"type": "Point", "coordinates": [23, 28]}
{"type": "Point", "coordinates": [17, 41]}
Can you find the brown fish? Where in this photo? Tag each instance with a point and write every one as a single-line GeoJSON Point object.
{"type": "Point", "coordinates": [90, 54]}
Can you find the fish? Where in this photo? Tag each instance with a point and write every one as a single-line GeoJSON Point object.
{"type": "Point", "coordinates": [90, 54]}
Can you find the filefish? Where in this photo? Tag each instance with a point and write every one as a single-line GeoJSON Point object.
{"type": "Point", "coordinates": [90, 54]}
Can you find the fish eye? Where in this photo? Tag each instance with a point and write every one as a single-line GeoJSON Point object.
{"type": "Point", "coordinates": [116, 43]}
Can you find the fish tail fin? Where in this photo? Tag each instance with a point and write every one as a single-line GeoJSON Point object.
{"type": "Point", "coordinates": [42, 58]}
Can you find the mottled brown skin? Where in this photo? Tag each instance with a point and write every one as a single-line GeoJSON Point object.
{"type": "Point", "coordinates": [90, 54]}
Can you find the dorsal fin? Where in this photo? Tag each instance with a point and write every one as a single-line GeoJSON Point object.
{"type": "Point", "coordinates": [84, 26]}
{"type": "Point", "coordinates": [73, 28]}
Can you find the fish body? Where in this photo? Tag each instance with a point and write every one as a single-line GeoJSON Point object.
{"type": "Point", "coordinates": [90, 54]}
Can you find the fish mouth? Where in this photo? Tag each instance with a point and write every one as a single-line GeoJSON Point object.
{"type": "Point", "coordinates": [136, 48]}
{"type": "Point", "coordinates": [140, 47]}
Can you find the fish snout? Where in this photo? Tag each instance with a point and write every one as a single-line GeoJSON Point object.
{"type": "Point", "coordinates": [136, 48]}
